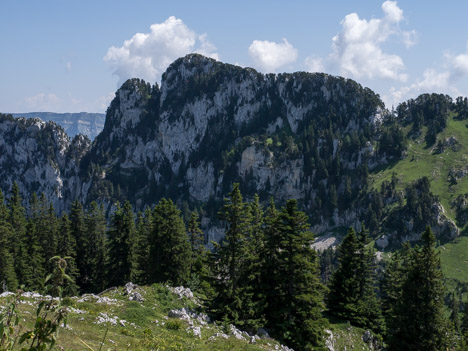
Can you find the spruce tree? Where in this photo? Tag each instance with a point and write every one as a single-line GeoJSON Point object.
{"type": "Point", "coordinates": [170, 255]}
{"type": "Point", "coordinates": [352, 288]}
{"type": "Point", "coordinates": [343, 297]}
{"type": "Point", "coordinates": [369, 308]}
{"type": "Point", "coordinates": [420, 311]}
{"type": "Point", "coordinates": [234, 285]}
{"type": "Point", "coordinates": [298, 296]}
{"type": "Point", "coordinates": [8, 280]}
{"type": "Point", "coordinates": [66, 248]}
{"type": "Point", "coordinates": [95, 254]}
{"type": "Point", "coordinates": [78, 231]}
{"type": "Point", "coordinates": [144, 229]}
{"type": "Point", "coordinates": [121, 249]}
{"type": "Point", "coordinates": [199, 271]}
{"type": "Point", "coordinates": [27, 256]}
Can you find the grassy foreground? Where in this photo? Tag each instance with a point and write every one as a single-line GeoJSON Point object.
{"type": "Point", "coordinates": [111, 321]}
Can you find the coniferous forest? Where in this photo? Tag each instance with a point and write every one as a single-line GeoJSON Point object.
{"type": "Point", "coordinates": [263, 274]}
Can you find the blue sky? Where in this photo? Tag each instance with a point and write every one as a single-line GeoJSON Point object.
{"type": "Point", "coordinates": [71, 56]}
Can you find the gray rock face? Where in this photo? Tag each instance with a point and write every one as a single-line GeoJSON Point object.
{"type": "Point", "coordinates": [40, 157]}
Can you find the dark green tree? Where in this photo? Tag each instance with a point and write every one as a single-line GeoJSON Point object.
{"type": "Point", "coordinates": [78, 231]}
{"type": "Point", "coordinates": [420, 320]}
{"type": "Point", "coordinates": [298, 296]}
{"type": "Point", "coordinates": [369, 308]}
{"type": "Point", "coordinates": [66, 247]}
{"type": "Point", "coordinates": [234, 289]}
{"type": "Point", "coordinates": [8, 280]}
{"type": "Point", "coordinates": [169, 246]}
{"type": "Point", "coordinates": [95, 248]}
{"type": "Point", "coordinates": [121, 245]}
{"type": "Point", "coordinates": [144, 229]}
{"type": "Point", "coordinates": [343, 297]}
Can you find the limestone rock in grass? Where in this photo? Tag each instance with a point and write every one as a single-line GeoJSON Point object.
{"type": "Point", "coordinates": [133, 295]}
{"type": "Point", "coordinates": [330, 340]}
{"type": "Point", "coordinates": [182, 292]}
{"type": "Point", "coordinates": [218, 336]}
{"type": "Point", "coordinates": [195, 331]}
{"type": "Point", "coordinates": [190, 316]}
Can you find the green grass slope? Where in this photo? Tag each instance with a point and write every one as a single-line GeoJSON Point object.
{"type": "Point", "coordinates": [112, 321]}
{"type": "Point", "coordinates": [423, 160]}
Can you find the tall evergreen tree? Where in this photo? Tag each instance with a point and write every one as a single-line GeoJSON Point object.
{"type": "Point", "coordinates": [298, 297]}
{"type": "Point", "coordinates": [8, 280]}
{"type": "Point", "coordinates": [352, 288]}
{"type": "Point", "coordinates": [369, 308]}
{"type": "Point", "coordinates": [343, 296]}
{"type": "Point", "coordinates": [144, 229]}
{"type": "Point", "coordinates": [169, 246]}
{"type": "Point", "coordinates": [95, 254]}
{"type": "Point", "coordinates": [199, 268]}
{"type": "Point", "coordinates": [121, 249]}
{"type": "Point", "coordinates": [234, 299]}
{"type": "Point", "coordinates": [26, 251]}
{"type": "Point", "coordinates": [420, 311]}
{"type": "Point", "coordinates": [66, 248]}
{"type": "Point", "coordinates": [78, 231]}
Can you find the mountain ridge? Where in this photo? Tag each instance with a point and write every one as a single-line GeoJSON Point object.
{"type": "Point", "coordinates": [309, 136]}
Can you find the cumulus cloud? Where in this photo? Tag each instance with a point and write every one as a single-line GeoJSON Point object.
{"type": "Point", "coordinates": [459, 64]}
{"type": "Point", "coordinates": [42, 102]}
{"type": "Point", "coordinates": [269, 56]}
{"type": "Point", "coordinates": [440, 81]}
{"type": "Point", "coordinates": [147, 55]}
{"type": "Point", "coordinates": [357, 49]}
{"type": "Point", "coordinates": [314, 64]}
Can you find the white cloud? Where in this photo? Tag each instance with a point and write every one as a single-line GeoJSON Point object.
{"type": "Point", "coordinates": [357, 49]}
{"type": "Point", "coordinates": [104, 101]}
{"type": "Point", "coordinates": [268, 56]}
{"type": "Point", "coordinates": [459, 64]}
{"type": "Point", "coordinates": [314, 64]}
{"type": "Point", "coordinates": [42, 102]}
{"type": "Point", "coordinates": [147, 55]}
{"type": "Point", "coordinates": [434, 81]}
{"type": "Point", "coordinates": [68, 66]}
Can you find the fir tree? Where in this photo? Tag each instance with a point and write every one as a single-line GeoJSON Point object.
{"type": "Point", "coordinates": [369, 308]}
{"type": "Point", "coordinates": [27, 258]}
{"type": "Point", "coordinates": [121, 250]}
{"type": "Point", "coordinates": [78, 231]}
{"type": "Point", "coordinates": [8, 280]}
{"type": "Point", "coordinates": [234, 300]}
{"type": "Point", "coordinates": [298, 297]}
{"type": "Point", "coordinates": [95, 254]}
{"type": "Point", "coordinates": [420, 311]}
{"type": "Point", "coordinates": [196, 239]}
{"type": "Point", "coordinates": [343, 297]}
{"type": "Point", "coordinates": [352, 289]}
{"type": "Point", "coordinates": [169, 247]}
{"type": "Point", "coordinates": [66, 248]}
{"type": "Point", "coordinates": [144, 228]}
{"type": "Point", "coordinates": [199, 271]}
